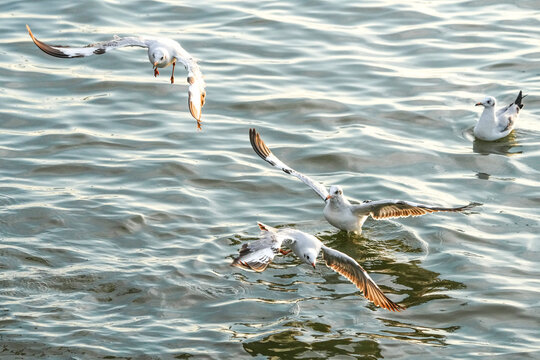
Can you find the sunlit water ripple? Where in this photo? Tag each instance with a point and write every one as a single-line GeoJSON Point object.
{"type": "Point", "coordinates": [119, 220]}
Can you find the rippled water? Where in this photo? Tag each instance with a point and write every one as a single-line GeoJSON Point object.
{"type": "Point", "coordinates": [119, 220]}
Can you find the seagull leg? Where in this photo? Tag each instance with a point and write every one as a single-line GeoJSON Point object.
{"type": "Point", "coordinates": [156, 72]}
{"type": "Point", "coordinates": [284, 252]}
{"type": "Point", "coordinates": [172, 76]}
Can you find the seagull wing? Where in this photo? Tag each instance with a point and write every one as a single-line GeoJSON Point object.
{"type": "Point", "coordinates": [348, 267]}
{"type": "Point", "coordinates": [508, 115]}
{"type": "Point", "coordinates": [196, 90]}
{"type": "Point", "coordinates": [257, 254]}
{"type": "Point", "coordinates": [383, 209]}
{"type": "Point", "coordinates": [88, 50]}
{"type": "Point", "coordinates": [264, 152]}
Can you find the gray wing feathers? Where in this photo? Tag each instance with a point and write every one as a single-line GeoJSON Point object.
{"type": "Point", "coordinates": [383, 209]}
{"type": "Point", "coordinates": [349, 268]}
{"type": "Point", "coordinates": [507, 115]}
{"type": "Point", "coordinates": [256, 255]}
{"type": "Point", "coordinates": [88, 50]}
{"type": "Point", "coordinates": [264, 152]}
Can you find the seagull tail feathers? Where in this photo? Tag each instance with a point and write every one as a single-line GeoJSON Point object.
{"type": "Point", "coordinates": [519, 99]}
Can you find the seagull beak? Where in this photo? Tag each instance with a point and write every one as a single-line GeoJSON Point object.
{"type": "Point", "coordinates": [155, 63]}
{"type": "Point", "coordinates": [313, 264]}
{"type": "Point", "coordinates": [478, 104]}
{"type": "Point", "coordinates": [328, 197]}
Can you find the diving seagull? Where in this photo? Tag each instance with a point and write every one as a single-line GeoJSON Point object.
{"type": "Point", "coordinates": [496, 125]}
{"type": "Point", "coordinates": [162, 52]}
{"type": "Point", "coordinates": [338, 211]}
{"type": "Point", "coordinates": [256, 255]}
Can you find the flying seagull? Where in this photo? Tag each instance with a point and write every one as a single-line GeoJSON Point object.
{"type": "Point", "coordinates": [338, 211]}
{"type": "Point", "coordinates": [496, 125]}
{"type": "Point", "coordinates": [257, 254]}
{"type": "Point", "coordinates": [162, 52]}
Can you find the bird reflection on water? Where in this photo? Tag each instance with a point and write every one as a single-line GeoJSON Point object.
{"type": "Point", "coordinates": [499, 147]}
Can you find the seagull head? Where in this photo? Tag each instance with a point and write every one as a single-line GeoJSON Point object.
{"type": "Point", "coordinates": [159, 57]}
{"type": "Point", "coordinates": [335, 193]}
{"type": "Point", "coordinates": [310, 256]}
{"type": "Point", "coordinates": [196, 97]}
{"type": "Point", "coordinates": [489, 101]}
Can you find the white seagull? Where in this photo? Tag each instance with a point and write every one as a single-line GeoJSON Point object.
{"type": "Point", "coordinates": [496, 125]}
{"type": "Point", "coordinates": [338, 211]}
{"type": "Point", "coordinates": [256, 256]}
{"type": "Point", "coordinates": [162, 52]}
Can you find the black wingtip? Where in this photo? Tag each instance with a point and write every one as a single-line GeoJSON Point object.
{"type": "Point", "coordinates": [519, 99]}
{"type": "Point", "coordinates": [470, 206]}
{"type": "Point", "coordinates": [258, 145]}
{"type": "Point", "coordinates": [48, 49]}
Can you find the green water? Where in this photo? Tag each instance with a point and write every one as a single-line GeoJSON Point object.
{"type": "Point", "coordinates": [119, 220]}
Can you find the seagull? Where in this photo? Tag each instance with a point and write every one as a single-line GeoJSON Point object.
{"type": "Point", "coordinates": [162, 52]}
{"type": "Point", "coordinates": [338, 211]}
{"type": "Point", "coordinates": [496, 125]}
{"type": "Point", "coordinates": [257, 254]}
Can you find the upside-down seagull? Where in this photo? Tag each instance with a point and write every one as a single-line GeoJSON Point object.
{"type": "Point", "coordinates": [256, 255]}
{"type": "Point", "coordinates": [338, 211]}
{"type": "Point", "coordinates": [496, 125]}
{"type": "Point", "coordinates": [162, 52]}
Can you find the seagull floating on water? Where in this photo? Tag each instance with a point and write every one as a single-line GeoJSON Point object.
{"type": "Point", "coordinates": [162, 52]}
{"type": "Point", "coordinates": [257, 254]}
{"type": "Point", "coordinates": [338, 211]}
{"type": "Point", "coordinates": [496, 125]}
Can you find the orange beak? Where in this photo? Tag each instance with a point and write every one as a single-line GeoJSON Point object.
{"type": "Point", "coordinates": [313, 264]}
{"type": "Point", "coordinates": [155, 63]}
{"type": "Point", "coordinates": [478, 104]}
{"type": "Point", "coordinates": [328, 197]}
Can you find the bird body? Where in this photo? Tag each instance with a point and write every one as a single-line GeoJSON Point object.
{"type": "Point", "coordinates": [493, 125]}
{"type": "Point", "coordinates": [338, 212]}
{"type": "Point", "coordinates": [258, 254]}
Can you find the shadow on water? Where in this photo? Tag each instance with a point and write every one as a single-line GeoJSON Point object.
{"type": "Point", "coordinates": [294, 336]}
{"type": "Point", "coordinates": [286, 344]}
{"type": "Point", "coordinates": [499, 147]}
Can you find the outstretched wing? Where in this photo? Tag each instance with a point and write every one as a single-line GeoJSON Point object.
{"type": "Point", "coordinates": [348, 267]}
{"type": "Point", "coordinates": [257, 254]}
{"type": "Point", "coordinates": [264, 152]}
{"type": "Point", "coordinates": [88, 50]}
{"type": "Point", "coordinates": [382, 209]}
{"type": "Point", "coordinates": [196, 90]}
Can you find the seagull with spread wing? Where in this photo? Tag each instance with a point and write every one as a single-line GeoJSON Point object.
{"type": "Point", "coordinates": [257, 254]}
{"type": "Point", "coordinates": [494, 125]}
{"type": "Point", "coordinates": [162, 52]}
{"type": "Point", "coordinates": [338, 211]}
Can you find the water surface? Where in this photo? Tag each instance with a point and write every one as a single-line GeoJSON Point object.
{"type": "Point", "coordinates": [119, 220]}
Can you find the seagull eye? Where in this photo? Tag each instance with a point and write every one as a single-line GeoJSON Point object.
{"type": "Point", "coordinates": [161, 58]}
